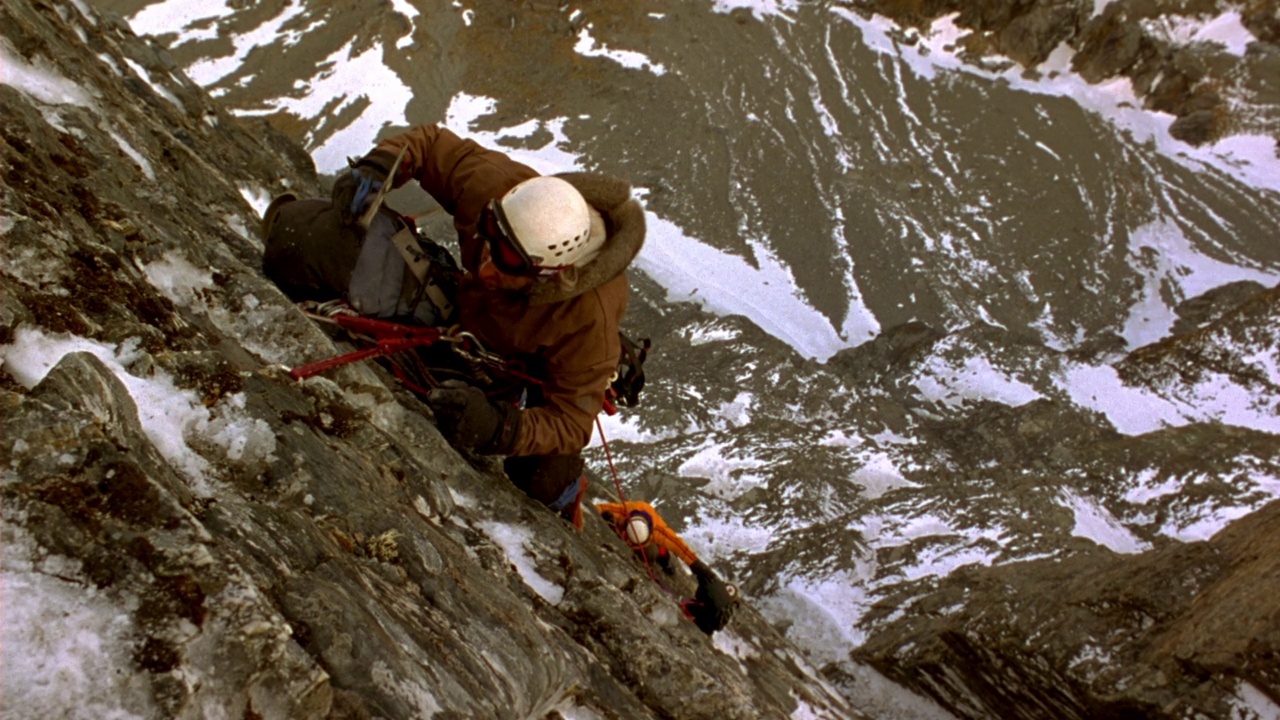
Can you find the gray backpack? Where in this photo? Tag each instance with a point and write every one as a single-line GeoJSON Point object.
{"type": "Point", "coordinates": [401, 274]}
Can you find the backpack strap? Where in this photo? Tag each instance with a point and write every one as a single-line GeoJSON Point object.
{"type": "Point", "coordinates": [419, 264]}
{"type": "Point", "coordinates": [376, 203]}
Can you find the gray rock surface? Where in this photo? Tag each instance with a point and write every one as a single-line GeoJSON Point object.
{"type": "Point", "coordinates": [1211, 92]}
{"type": "Point", "coordinates": [1184, 630]}
{"type": "Point", "coordinates": [276, 549]}
{"type": "Point", "coordinates": [1179, 632]}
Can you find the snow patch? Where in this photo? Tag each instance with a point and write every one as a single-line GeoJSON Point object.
{"type": "Point", "coordinates": [1250, 159]}
{"type": "Point", "coordinates": [1145, 489]}
{"type": "Point", "coordinates": [1226, 31]}
{"type": "Point", "coordinates": [823, 613]}
{"type": "Point", "coordinates": [209, 71]}
{"type": "Point", "coordinates": [177, 279]}
{"type": "Point", "coordinates": [1250, 703]}
{"type": "Point", "coordinates": [972, 378]}
{"type": "Point", "coordinates": [722, 537]}
{"type": "Point", "coordinates": [725, 472]}
{"type": "Point", "coordinates": [159, 89]}
{"type": "Point", "coordinates": [588, 46]}
{"type": "Point", "coordinates": [179, 16]}
{"type": "Point", "coordinates": [341, 81]}
{"type": "Point", "coordinates": [878, 475]}
{"type": "Point", "coordinates": [66, 643]}
{"type": "Point", "coordinates": [39, 80]}
{"type": "Point", "coordinates": [760, 9]}
{"type": "Point", "coordinates": [1170, 265]}
{"type": "Point", "coordinates": [514, 541]}
{"type": "Point", "coordinates": [765, 293]}
{"type": "Point", "coordinates": [168, 414]}
{"type": "Point", "coordinates": [257, 196]}
{"type": "Point", "coordinates": [138, 158]}
{"type": "Point", "coordinates": [1094, 522]}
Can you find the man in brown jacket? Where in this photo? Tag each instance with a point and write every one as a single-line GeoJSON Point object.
{"type": "Point", "coordinates": [544, 260]}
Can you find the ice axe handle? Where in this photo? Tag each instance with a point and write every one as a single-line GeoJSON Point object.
{"type": "Point", "coordinates": [372, 211]}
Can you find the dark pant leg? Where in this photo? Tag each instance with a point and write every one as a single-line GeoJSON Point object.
{"type": "Point", "coordinates": [544, 478]}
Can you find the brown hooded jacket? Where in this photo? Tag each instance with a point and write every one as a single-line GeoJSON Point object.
{"type": "Point", "coordinates": [573, 332]}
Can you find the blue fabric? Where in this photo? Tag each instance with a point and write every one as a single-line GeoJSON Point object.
{"type": "Point", "coordinates": [569, 495]}
{"type": "Point", "coordinates": [366, 185]}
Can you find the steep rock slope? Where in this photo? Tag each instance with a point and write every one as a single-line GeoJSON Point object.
{"type": "Point", "coordinates": [190, 533]}
{"type": "Point", "coordinates": [1181, 630]}
{"type": "Point", "coordinates": [1172, 51]}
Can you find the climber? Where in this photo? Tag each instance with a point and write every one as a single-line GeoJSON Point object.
{"type": "Point", "coordinates": [543, 281]}
{"type": "Point", "coordinates": [645, 532]}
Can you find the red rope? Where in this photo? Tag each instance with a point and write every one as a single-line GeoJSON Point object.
{"type": "Point", "coordinates": [622, 497]}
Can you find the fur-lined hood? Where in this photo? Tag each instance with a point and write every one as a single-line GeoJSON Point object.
{"type": "Point", "coordinates": [625, 228]}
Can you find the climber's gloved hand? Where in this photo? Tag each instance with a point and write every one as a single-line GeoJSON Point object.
{"type": "Point", "coordinates": [664, 562]}
{"type": "Point", "coordinates": [468, 420]}
{"type": "Point", "coordinates": [355, 187]}
{"type": "Point", "coordinates": [712, 606]}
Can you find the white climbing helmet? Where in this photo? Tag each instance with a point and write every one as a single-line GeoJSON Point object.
{"type": "Point", "coordinates": [638, 528]}
{"type": "Point", "coordinates": [552, 222]}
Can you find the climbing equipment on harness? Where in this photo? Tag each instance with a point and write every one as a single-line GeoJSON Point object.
{"type": "Point", "coordinates": [628, 378]}
{"type": "Point", "coordinates": [391, 340]}
{"type": "Point", "coordinates": [388, 338]}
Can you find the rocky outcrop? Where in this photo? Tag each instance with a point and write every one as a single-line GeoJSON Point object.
{"type": "Point", "coordinates": [1185, 631]}
{"type": "Point", "coordinates": [1182, 630]}
{"type": "Point", "coordinates": [239, 544]}
{"type": "Point", "coordinates": [1211, 91]}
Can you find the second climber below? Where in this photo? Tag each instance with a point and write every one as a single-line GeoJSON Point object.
{"type": "Point", "coordinates": [650, 538]}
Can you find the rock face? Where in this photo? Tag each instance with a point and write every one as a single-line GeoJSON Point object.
{"type": "Point", "coordinates": [1183, 630]}
{"type": "Point", "coordinates": [1211, 90]}
{"type": "Point", "coordinates": [1186, 631]}
{"type": "Point", "coordinates": [237, 544]}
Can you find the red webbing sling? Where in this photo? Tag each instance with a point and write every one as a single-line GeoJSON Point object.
{"type": "Point", "coordinates": [388, 338]}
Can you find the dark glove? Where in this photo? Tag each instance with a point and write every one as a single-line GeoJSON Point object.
{"type": "Point", "coordinates": [355, 187]}
{"type": "Point", "coordinates": [713, 605]}
{"type": "Point", "coordinates": [468, 420]}
{"type": "Point", "coordinates": [664, 562]}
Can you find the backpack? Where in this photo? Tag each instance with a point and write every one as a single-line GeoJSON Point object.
{"type": "Point", "coordinates": [402, 274]}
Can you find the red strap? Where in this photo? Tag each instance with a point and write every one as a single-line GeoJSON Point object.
{"type": "Point", "coordinates": [385, 329]}
{"type": "Point", "coordinates": [417, 338]}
